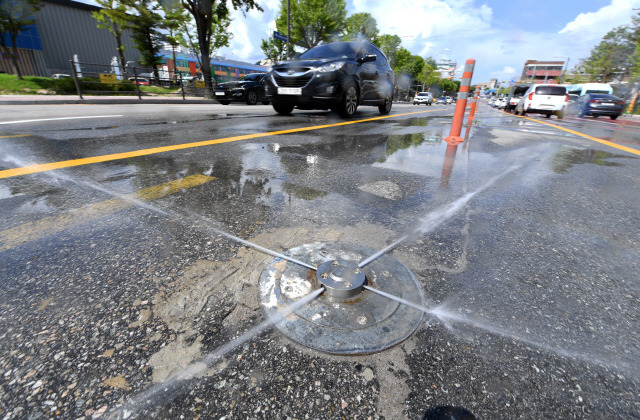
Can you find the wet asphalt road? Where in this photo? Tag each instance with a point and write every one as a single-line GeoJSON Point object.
{"type": "Point", "coordinates": [533, 285]}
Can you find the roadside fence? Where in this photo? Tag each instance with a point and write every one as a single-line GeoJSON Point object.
{"type": "Point", "coordinates": [107, 79]}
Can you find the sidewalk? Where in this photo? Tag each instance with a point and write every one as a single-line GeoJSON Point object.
{"type": "Point", "coordinates": [73, 99]}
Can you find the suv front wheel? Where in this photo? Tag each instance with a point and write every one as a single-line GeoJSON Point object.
{"type": "Point", "coordinates": [349, 103]}
{"type": "Point", "coordinates": [282, 109]}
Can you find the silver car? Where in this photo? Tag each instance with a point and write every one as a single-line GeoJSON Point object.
{"type": "Point", "coordinates": [423, 98]}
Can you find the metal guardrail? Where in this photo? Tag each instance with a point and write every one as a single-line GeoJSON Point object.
{"type": "Point", "coordinates": [127, 81]}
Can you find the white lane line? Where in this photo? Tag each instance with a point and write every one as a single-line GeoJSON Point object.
{"type": "Point", "coordinates": [63, 118]}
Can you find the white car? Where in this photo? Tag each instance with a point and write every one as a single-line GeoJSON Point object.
{"type": "Point", "coordinates": [423, 98]}
{"type": "Point", "coordinates": [449, 99]}
{"type": "Point", "coordinates": [544, 99]}
{"type": "Point", "coordinates": [501, 103]}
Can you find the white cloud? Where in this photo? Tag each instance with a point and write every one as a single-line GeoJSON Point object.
{"type": "Point", "coordinates": [601, 21]}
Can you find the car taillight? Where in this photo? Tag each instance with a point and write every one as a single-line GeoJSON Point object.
{"type": "Point", "coordinates": [620, 102]}
{"type": "Point", "coordinates": [594, 101]}
{"type": "Point", "coordinates": [531, 96]}
{"type": "Point", "coordinates": [566, 98]}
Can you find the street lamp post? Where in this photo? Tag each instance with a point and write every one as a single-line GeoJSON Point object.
{"type": "Point", "coordinates": [566, 67]}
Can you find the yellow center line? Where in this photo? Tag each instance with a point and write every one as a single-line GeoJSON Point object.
{"type": "Point", "coordinates": [31, 231]}
{"type": "Point", "coordinates": [24, 170]}
{"type": "Point", "coordinates": [577, 133]}
{"type": "Point", "coordinates": [15, 135]}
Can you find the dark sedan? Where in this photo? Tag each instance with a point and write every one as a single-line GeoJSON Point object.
{"type": "Point", "coordinates": [339, 76]}
{"type": "Point", "coordinates": [597, 104]}
{"type": "Point", "coordinates": [248, 89]}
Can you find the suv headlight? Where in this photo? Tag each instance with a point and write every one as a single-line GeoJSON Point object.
{"type": "Point", "coordinates": [327, 68]}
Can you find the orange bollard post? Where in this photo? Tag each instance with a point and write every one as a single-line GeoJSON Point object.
{"type": "Point", "coordinates": [472, 113]}
{"type": "Point", "coordinates": [461, 103]}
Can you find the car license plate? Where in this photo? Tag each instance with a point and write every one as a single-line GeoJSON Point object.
{"type": "Point", "coordinates": [219, 93]}
{"type": "Point", "coordinates": [607, 104]}
{"type": "Point", "coordinates": [289, 91]}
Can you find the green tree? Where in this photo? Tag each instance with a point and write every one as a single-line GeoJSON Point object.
{"type": "Point", "coordinates": [175, 19]}
{"type": "Point", "coordinates": [389, 44]}
{"type": "Point", "coordinates": [611, 55]}
{"type": "Point", "coordinates": [312, 21]}
{"type": "Point", "coordinates": [145, 26]}
{"type": "Point", "coordinates": [113, 16]}
{"type": "Point", "coordinates": [412, 65]}
{"type": "Point", "coordinates": [211, 18]}
{"type": "Point", "coordinates": [362, 24]}
{"type": "Point", "coordinates": [273, 49]}
{"type": "Point", "coordinates": [16, 15]}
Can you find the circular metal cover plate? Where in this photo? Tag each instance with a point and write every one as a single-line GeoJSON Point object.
{"type": "Point", "coordinates": [366, 323]}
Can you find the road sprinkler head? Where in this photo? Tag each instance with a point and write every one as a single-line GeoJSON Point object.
{"type": "Point", "coordinates": [345, 318]}
{"type": "Point", "coordinates": [341, 279]}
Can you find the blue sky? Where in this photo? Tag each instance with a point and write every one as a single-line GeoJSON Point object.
{"type": "Point", "coordinates": [500, 35]}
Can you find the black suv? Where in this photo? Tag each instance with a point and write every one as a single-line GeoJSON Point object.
{"type": "Point", "coordinates": [249, 89]}
{"type": "Point", "coordinates": [337, 76]}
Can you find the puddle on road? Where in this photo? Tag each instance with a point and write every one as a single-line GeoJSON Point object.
{"type": "Point", "coordinates": [566, 157]}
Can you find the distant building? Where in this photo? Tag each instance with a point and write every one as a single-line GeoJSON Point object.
{"type": "Point", "coordinates": [491, 84]}
{"type": "Point", "coordinates": [64, 28]}
{"type": "Point", "coordinates": [535, 71]}
{"type": "Point", "coordinates": [446, 68]}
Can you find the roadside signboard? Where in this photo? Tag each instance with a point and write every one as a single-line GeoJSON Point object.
{"type": "Point", "coordinates": [108, 78]}
{"type": "Point", "coordinates": [200, 84]}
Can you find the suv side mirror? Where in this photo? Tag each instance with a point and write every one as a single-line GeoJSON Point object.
{"type": "Point", "coordinates": [367, 58]}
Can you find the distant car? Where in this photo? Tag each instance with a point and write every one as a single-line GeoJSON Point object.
{"type": "Point", "coordinates": [60, 76]}
{"type": "Point", "coordinates": [513, 103]}
{"type": "Point", "coordinates": [544, 99]}
{"type": "Point", "coordinates": [423, 98]}
{"type": "Point", "coordinates": [139, 80]}
{"type": "Point", "coordinates": [339, 76]}
{"type": "Point", "coordinates": [441, 100]}
{"type": "Point", "coordinates": [598, 104]}
{"type": "Point", "coordinates": [449, 99]}
{"type": "Point", "coordinates": [248, 89]}
{"type": "Point", "coordinates": [501, 103]}
{"type": "Point", "coordinates": [572, 99]}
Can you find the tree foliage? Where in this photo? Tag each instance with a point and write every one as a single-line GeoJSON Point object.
{"type": "Point", "coordinates": [360, 26]}
{"type": "Point", "coordinates": [389, 44]}
{"type": "Point", "coordinates": [274, 49]}
{"type": "Point", "coordinates": [16, 15]}
{"type": "Point", "coordinates": [312, 21]}
{"type": "Point", "coordinates": [174, 23]}
{"type": "Point", "coordinates": [145, 24]}
{"type": "Point", "coordinates": [113, 16]}
{"type": "Point", "coordinates": [612, 55]}
{"type": "Point", "coordinates": [211, 18]}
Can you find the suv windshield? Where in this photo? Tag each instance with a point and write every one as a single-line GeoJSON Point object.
{"type": "Point", "coordinates": [334, 50]}
{"type": "Point", "coordinates": [551, 90]}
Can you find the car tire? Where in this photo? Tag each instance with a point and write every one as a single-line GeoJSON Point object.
{"type": "Point", "coordinates": [549, 116]}
{"type": "Point", "coordinates": [613, 117]}
{"type": "Point", "coordinates": [560, 115]}
{"type": "Point", "coordinates": [349, 102]}
{"type": "Point", "coordinates": [385, 107]}
{"type": "Point", "coordinates": [282, 108]}
{"type": "Point", "coordinates": [224, 102]}
{"type": "Point", "coordinates": [252, 97]}
{"type": "Point", "coordinates": [595, 115]}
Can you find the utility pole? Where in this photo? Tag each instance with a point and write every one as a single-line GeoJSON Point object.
{"type": "Point", "coordinates": [566, 67]}
{"type": "Point", "coordinates": [288, 31]}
